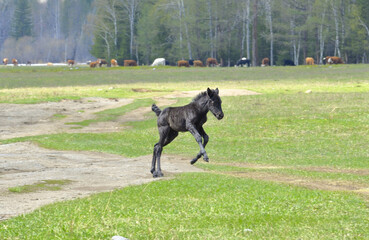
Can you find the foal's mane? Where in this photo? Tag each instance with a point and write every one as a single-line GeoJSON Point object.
{"type": "Point", "coordinates": [199, 96]}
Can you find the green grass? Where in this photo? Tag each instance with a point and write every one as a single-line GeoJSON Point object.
{"type": "Point", "coordinates": [45, 185]}
{"type": "Point", "coordinates": [24, 85]}
{"type": "Point", "coordinates": [199, 206]}
{"type": "Point", "coordinates": [349, 176]}
{"type": "Point", "coordinates": [285, 128]}
{"type": "Point", "coordinates": [280, 130]}
{"type": "Point", "coordinates": [59, 116]}
{"type": "Point", "coordinates": [327, 129]}
{"type": "Point", "coordinates": [61, 76]}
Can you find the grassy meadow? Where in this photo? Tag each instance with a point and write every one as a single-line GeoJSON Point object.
{"type": "Point", "coordinates": [284, 164]}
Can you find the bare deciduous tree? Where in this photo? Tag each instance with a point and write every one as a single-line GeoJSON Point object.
{"type": "Point", "coordinates": [268, 13]}
{"type": "Point", "coordinates": [337, 51]}
{"type": "Point", "coordinates": [255, 33]}
{"type": "Point", "coordinates": [245, 19]}
{"type": "Point", "coordinates": [109, 16]}
{"type": "Point", "coordinates": [320, 32]}
{"type": "Point", "coordinates": [210, 14]}
{"type": "Point", "coordinates": [131, 7]}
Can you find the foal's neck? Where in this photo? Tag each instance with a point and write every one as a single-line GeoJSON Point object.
{"type": "Point", "coordinates": [202, 104]}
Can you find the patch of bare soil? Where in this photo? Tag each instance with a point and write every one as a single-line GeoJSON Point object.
{"type": "Point", "coordinates": [144, 90]}
{"type": "Point", "coordinates": [19, 120]}
{"type": "Point", "coordinates": [90, 172]}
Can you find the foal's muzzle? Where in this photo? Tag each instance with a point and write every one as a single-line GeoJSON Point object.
{"type": "Point", "coordinates": [219, 115]}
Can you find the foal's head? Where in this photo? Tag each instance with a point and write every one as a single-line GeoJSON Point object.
{"type": "Point", "coordinates": [215, 103]}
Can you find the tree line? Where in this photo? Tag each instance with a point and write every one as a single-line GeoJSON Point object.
{"type": "Point", "coordinates": [45, 30]}
{"type": "Point", "coordinates": [193, 29]}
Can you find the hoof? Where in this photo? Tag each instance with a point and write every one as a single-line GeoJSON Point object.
{"type": "Point", "coordinates": [206, 159]}
{"type": "Point", "coordinates": [193, 161]}
{"type": "Point", "coordinates": [157, 174]}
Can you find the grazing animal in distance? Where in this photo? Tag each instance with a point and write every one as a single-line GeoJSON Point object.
{"type": "Point", "coordinates": [190, 61]}
{"type": "Point", "coordinates": [190, 117]}
{"type": "Point", "coordinates": [333, 60]}
{"type": "Point", "coordinates": [265, 62]}
{"type": "Point", "coordinates": [325, 59]}
{"type": "Point", "coordinates": [15, 62]}
{"type": "Point", "coordinates": [159, 62]}
{"type": "Point", "coordinates": [93, 64]}
{"type": "Point", "coordinates": [309, 61]}
{"type": "Point", "coordinates": [114, 63]}
{"type": "Point", "coordinates": [101, 62]}
{"type": "Point", "coordinates": [183, 63]}
{"type": "Point", "coordinates": [70, 63]}
{"type": "Point", "coordinates": [130, 63]}
{"type": "Point", "coordinates": [288, 62]}
{"type": "Point", "coordinates": [211, 62]}
{"type": "Point", "coordinates": [29, 63]}
{"type": "Point", "coordinates": [5, 61]}
{"type": "Point", "coordinates": [198, 63]}
{"type": "Point", "coordinates": [243, 61]}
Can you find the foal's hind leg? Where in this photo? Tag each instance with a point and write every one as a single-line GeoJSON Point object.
{"type": "Point", "coordinates": [158, 148]}
{"type": "Point", "coordinates": [153, 163]}
{"type": "Point", "coordinates": [167, 135]}
{"type": "Point", "coordinates": [206, 140]}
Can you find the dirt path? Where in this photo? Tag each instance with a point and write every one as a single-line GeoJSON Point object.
{"type": "Point", "coordinates": [89, 172]}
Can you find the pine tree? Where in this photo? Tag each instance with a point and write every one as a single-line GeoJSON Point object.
{"type": "Point", "coordinates": [22, 19]}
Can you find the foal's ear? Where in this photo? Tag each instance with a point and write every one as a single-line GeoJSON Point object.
{"type": "Point", "coordinates": [210, 92]}
{"type": "Point", "coordinates": [217, 91]}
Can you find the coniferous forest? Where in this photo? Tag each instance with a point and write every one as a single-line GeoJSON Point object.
{"type": "Point", "coordinates": [57, 30]}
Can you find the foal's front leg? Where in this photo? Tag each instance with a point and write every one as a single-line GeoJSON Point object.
{"type": "Point", "coordinates": [191, 128]}
{"type": "Point", "coordinates": [206, 140]}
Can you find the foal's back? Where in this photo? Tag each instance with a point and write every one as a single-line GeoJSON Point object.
{"type": "Point", "coordinates": [177, 117]}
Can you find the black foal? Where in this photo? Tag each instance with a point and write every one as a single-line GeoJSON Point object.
{"type": "Point", "coordinates": [190, 118]}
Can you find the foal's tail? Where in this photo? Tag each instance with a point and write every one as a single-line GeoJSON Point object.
{"type": "Point", "coordinates": [156, 109]}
